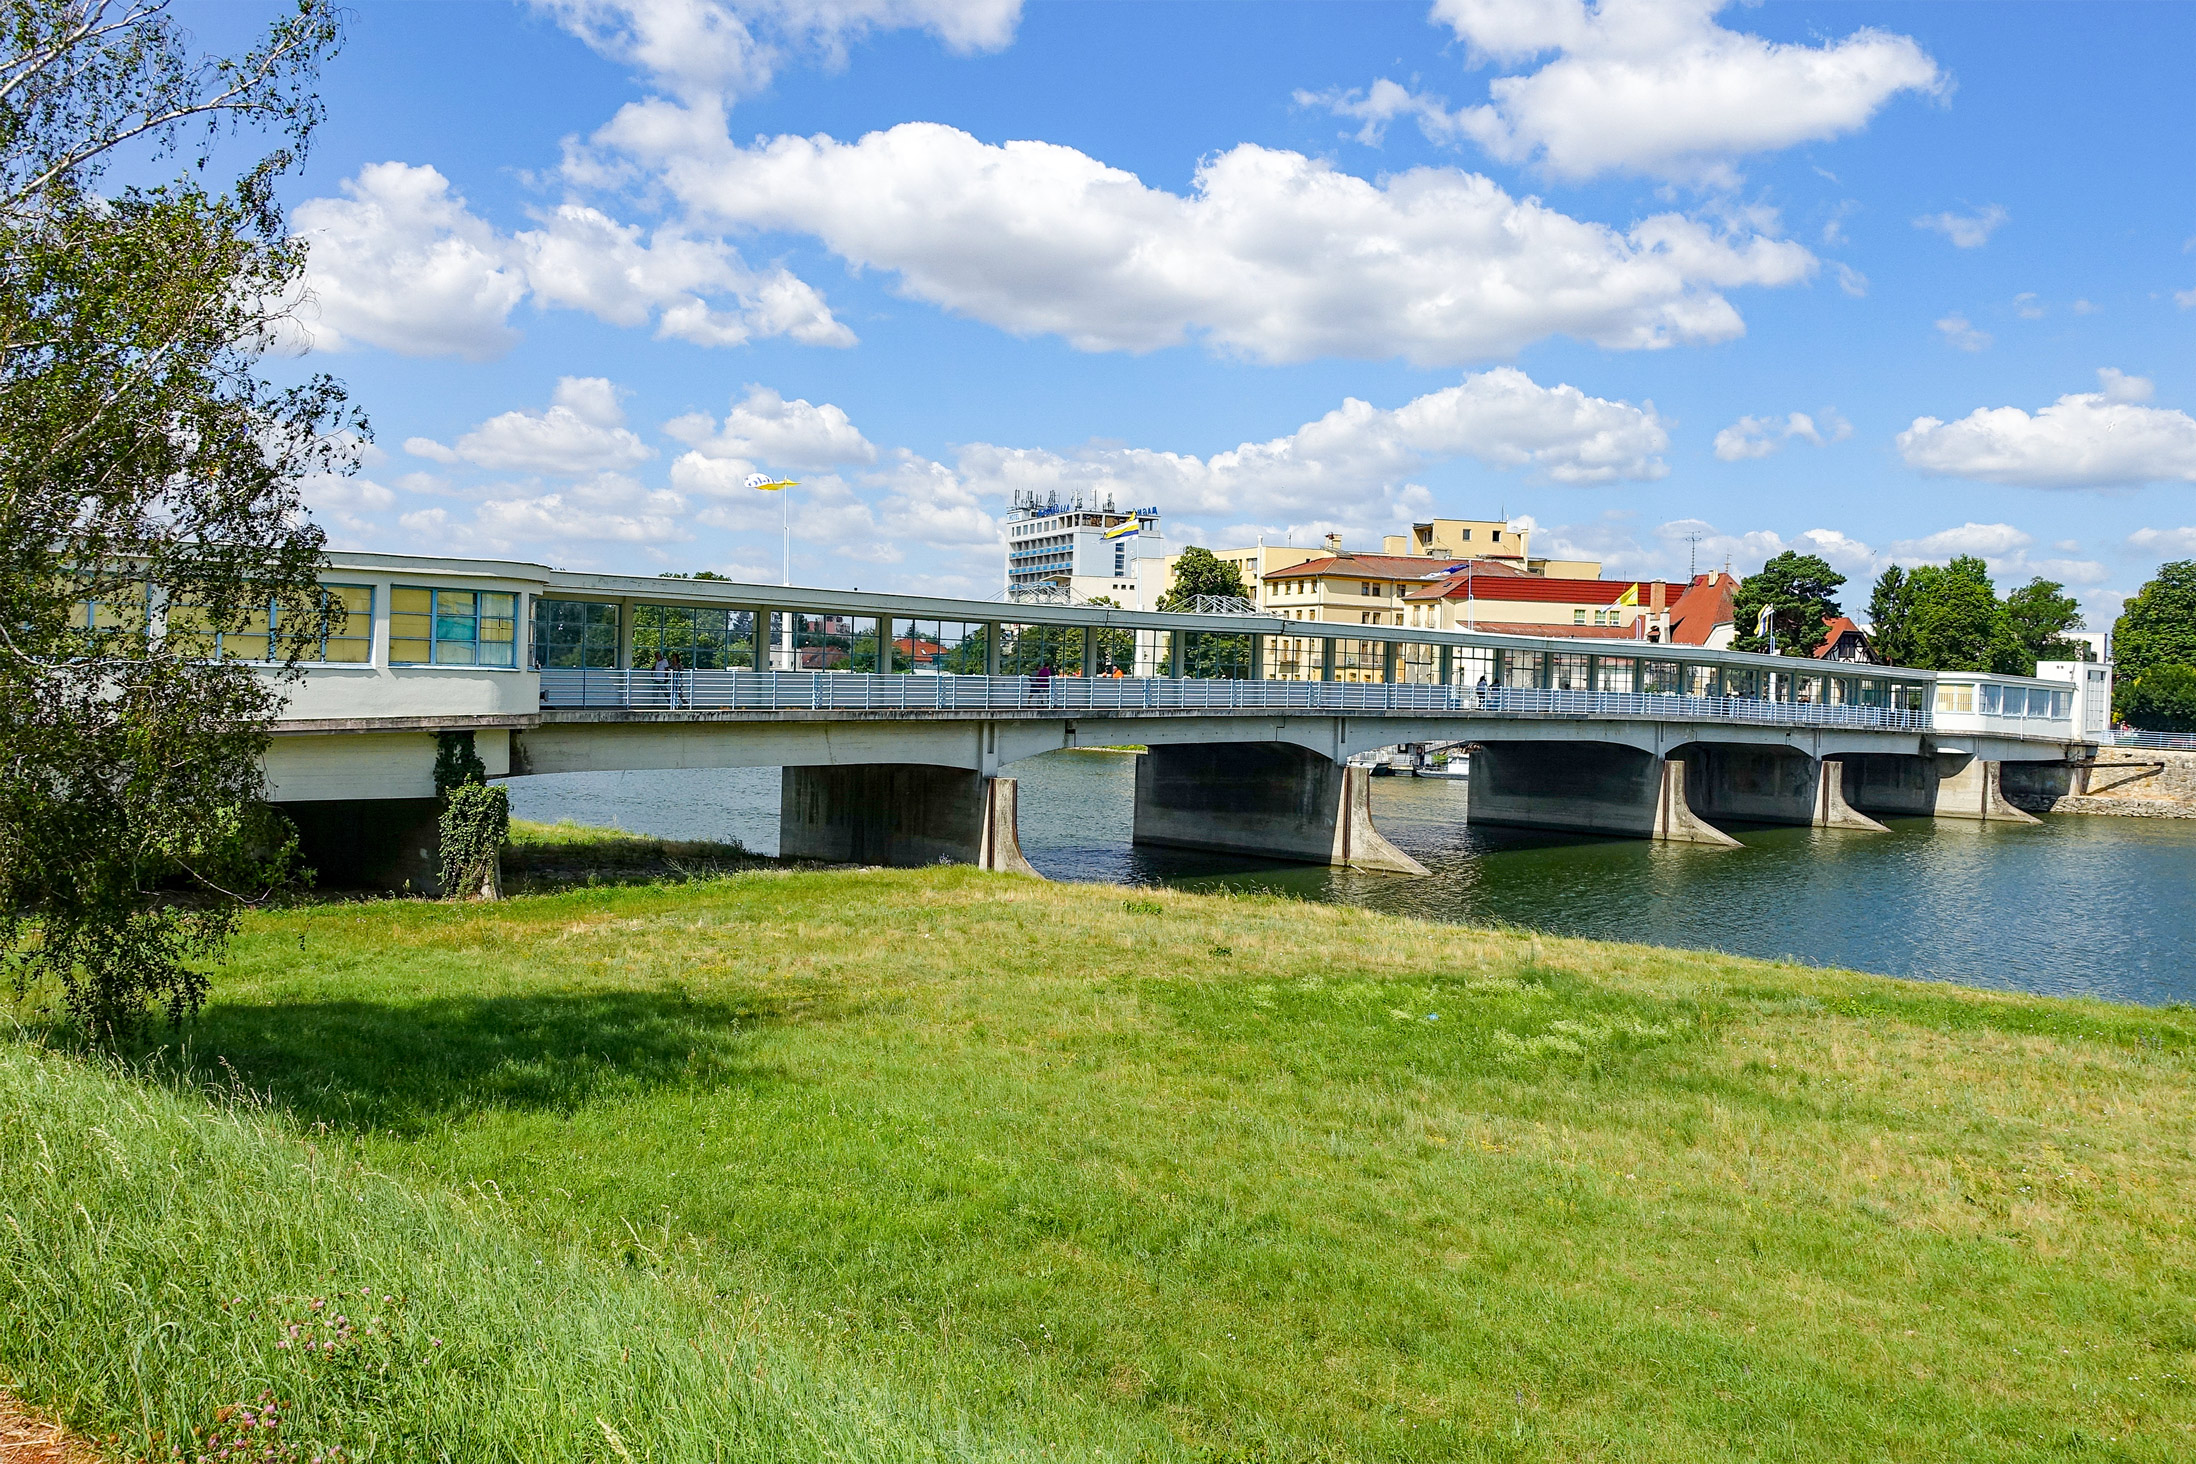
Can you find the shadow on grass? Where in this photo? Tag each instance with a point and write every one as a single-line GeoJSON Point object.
{"type": "Point", "coordinates": [409, 1067]}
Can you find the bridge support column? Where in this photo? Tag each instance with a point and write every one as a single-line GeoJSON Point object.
{"type": "Point", "coordinates": [1675, 821]}
{"type": "Point", "coordinates": [900, 814]}
{"type": "Point", "coordinates": [1269, 800]}
{"type": "Point", "coordinates": [1777, 785]}
{"type": "Point", "coordinates": [1977, 791]}
{"type": "Point", "coordinates": [392, 844]}
{"type": "Point", "coordinates": [1831, 809]}
{"type": "Point", "coordinates": [1586, 787]}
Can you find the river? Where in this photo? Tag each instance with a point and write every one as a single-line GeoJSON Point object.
{"type": "Point", "coordinates": [2080, 906]}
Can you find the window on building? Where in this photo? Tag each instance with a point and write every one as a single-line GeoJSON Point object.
{"type": "Point", "coordinates": [263, 637]}
{"type": "Point", "coordinates": [1467, 536]}
{"type": "Point", "coordinates": [1578, 617]}
{"type": "Point", "coordinates": [1498, 536]}
{"type": "Point", "coordinates": [575, 634]}
{"type": "Point", "coordinates": [434, 627]}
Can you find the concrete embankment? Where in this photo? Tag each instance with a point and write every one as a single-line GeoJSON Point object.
{"type": "Point", "coordinates": [2129, 782]}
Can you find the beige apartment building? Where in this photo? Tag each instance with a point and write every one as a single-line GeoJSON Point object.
{"type": "Point", "coordinates": [1459, 574]}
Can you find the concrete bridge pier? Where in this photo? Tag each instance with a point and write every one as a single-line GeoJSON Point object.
{"type": "Point", "coordinates": [1939, 785]}
{"type": "Point", "coordinates": [1588, 788]}
{"type": "Point", "coordinates": [900, 814]}
{"type": "Point", "coordinates": [1976, 790]}
{"type": "Point", "coordinates": [1774, 785]}
{"type": "Point", "coordinates": [1273, 800]}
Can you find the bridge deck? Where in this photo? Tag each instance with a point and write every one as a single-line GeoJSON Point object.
{"type": "Point", "coordinates": [569, 695]}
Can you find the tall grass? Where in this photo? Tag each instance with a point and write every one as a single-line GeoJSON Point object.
{"type": "Point", "coordinates": [164, 1260]}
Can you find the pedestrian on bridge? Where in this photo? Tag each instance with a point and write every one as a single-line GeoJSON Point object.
{"type": "Point", "coordinates": [1483, 692]}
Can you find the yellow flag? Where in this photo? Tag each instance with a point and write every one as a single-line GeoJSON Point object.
{"type": "Point", "coordinates": [1630, 596]}
{"type": "Point", "coordinates": [769, 484]}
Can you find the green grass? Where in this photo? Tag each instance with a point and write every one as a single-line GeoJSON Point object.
{"type": "Point", "coordinates": [978, 1163]}
{"type": "Point", "coordinates": [542, 857]}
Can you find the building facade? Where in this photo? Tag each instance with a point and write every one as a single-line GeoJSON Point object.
{"type": "Point", "coordinates": [1084, 546]}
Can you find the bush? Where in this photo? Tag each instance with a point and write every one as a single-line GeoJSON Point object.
{"type": "Point", "coordinates": [2162, 699]}
{"type": "Point", "coordinates": [476, 824]}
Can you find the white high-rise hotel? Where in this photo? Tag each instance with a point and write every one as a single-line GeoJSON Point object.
{"type": "Point", "coordinates": [1065, 545]}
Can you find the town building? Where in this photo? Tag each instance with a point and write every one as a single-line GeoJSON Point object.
{"type": "Point", "coordinates": [1084, 547]}
{"type": "Point", "coordinates": [1845, 642]}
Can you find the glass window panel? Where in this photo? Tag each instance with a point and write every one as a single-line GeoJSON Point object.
{"type": "Point", "coordinates": [1567, 672]}
{"type": "Point", "coordinates": [191, 632]}
{"type": "Point", "coordinates": [1992, 701]}
{"type": "Point", "coordinates": [1521, 668]}
{"type": "Point", "coordinates": [1663, 678]}
{"type": "Point", "coordinates": [1616, 674]}
{"type": "Point", "coordinates": [411, 620]}
{"type": "Point", "coordinates": [350, 623]}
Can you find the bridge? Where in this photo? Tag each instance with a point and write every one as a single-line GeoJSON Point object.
{"type": "Point", "coordinates": [893, 717]}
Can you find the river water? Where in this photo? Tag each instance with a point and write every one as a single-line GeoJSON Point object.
{"type": "Point", "coordinates": [2086, 906]}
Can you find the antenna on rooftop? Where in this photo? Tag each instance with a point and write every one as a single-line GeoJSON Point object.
{"type": "Point", "coordinates": [1692, 556]}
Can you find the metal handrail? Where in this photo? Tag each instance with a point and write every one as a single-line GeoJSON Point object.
{"type": "Point", "coordinates": [739, 690]}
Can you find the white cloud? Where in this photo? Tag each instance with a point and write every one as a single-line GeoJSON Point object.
{"type": "Point", "coordinates": [1272, 254]}
{"type": "Point", "coordinates": [1960, 332]}
{"type": "Point", "coordinates": [583, 431]}
{"type": "Point", "coordinates": [1757, 437]}
{"type": "Point", "coordinates": [2166, 543]}
{"type": "Point", "coordinates": [342, 502]}
{"type": "Point", "coordinates": [610, 508]}
{"type": "Point", "coordinates": [1355, 462]}
{"type": "Point", "coordinates": [1851, 280]}
{"type": "Point", "coordinates": [2100, 439]}
{"type": "Point", "coordinates": [2186, 299]}
{"type": "Point", "coordinates": [734, 47]}
{"type": "Point", "coordinates": [1648, 86]}
{"type": "Point", "coordinates": [1966, 231]}
{"type": "Point", "coordinates": [766, 428]}
{"type": "Point", "coordinates": [402, 263]}
{"type": "Point", "coordinates": [2029, 307]}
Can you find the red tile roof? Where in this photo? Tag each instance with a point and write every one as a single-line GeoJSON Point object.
{"type": "Point", "coordinates": [1838, 628]}
{"type": "Point", "coordinates": [1709, 601]}
{"type": "Point", "coordinates": [1385, 566]}
{"type": "Point", "coordinates": [1536, 589]}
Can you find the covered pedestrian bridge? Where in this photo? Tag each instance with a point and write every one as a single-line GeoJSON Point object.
{"type": "Point", "coordinates": [894, 716]}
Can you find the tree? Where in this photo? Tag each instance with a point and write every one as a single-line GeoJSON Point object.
{"type": "Point", "coordinates": [1201, 572]}
{"type": "Point", "coordinates": [1890, 609]}
{"type": "Point", "coordinates": [2161, 699]}
{"type": "Point", "coordinates": [153, 536]}
{"type": "Point", "coordinates": [1943, 617]}
{"type": "Point", "coordinates": [1800, 593]}
{"type": "Point", "coordinates": [2158, 626]}
{"type": "Point", "coordinates": [2032, 623]}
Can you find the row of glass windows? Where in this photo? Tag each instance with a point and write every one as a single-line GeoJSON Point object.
{"type": "Point", "coordinates": [452, 627]}
{"type": "Point", "coordinates": [2005, 701]}
{"type": "Point", "coordinates": [343, 634]}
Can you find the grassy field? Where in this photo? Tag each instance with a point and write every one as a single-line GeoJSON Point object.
{"type": "Point", "coordinates": [965, 1165]}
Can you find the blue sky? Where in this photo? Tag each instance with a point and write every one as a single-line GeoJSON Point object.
{"type": "Point", "coordinates": [1280, 269]}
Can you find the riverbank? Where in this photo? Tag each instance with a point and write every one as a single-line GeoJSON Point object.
{"type": "Point", "coordinates": [934, 1164]}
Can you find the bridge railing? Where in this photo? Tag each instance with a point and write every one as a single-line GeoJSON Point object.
{"type": "Point", "coordinates": [763, 691]}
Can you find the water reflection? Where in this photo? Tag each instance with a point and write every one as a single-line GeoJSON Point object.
{"type": "Point", "coordinates": [2093, 906]}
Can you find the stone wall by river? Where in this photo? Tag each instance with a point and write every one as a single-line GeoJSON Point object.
{"type": "Point", "coordinates": [2131, 782]}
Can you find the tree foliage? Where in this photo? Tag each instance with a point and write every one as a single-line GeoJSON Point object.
{"type": "Point", "coordinates": [2158, 626]}
{"type": "Point", "coordinates": [1800, 592]}
{"type": "Point", "coordinates": [2033, 622]}
{"type": "Point", "coordinates": [2160, 699]}
{"type": "Point", "coordinates": [152, 530]}
{"type": "Point", "coordinates": [1201, 572]}
{"type": "Point", "coordinates": [1949, 618]}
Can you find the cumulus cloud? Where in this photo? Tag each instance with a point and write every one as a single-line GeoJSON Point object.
{"type": "Point", "coordinates": [402, 263]}
{"type": "Point", "coordinates": [2102, 439]}
{"type": "Point", "coordinates": [608, 508]}
{"type": "Point", "coordinates": [1647, 86]}
{"type": "Point", "coordinates": [1271, 255]}
{"type": "Point", "coordinates": [2165, 543]}
{"type": "Point", "coordinates": [733, 47]}
{"type": "Point", "coordinates": [763, 427]}
{"type": "Point", "coordinates": [1966, 231]}
{"type": "Point", "coordinates": [582, 431]}
{"type": "Point", "coordinates": [1355, 462]}
{"type": "Point", "coordinates": [1757, 437]}
{"type": "Point", "coordinates": [1960, 332]}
